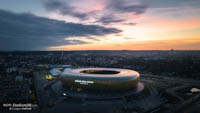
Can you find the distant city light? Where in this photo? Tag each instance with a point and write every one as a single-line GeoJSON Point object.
{"type": "Point", "coordinates": [48, 77]}
{"type": "Point", "coordinates": [64, 94]}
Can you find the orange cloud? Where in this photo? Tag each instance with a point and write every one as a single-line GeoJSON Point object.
{"type": "Point", "coordinates": [169, 24]}
{"type": "Point", "coordinates": [192, 44]}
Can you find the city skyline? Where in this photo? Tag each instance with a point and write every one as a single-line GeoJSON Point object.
{"type": "Point", "coordinates": [99, 25]}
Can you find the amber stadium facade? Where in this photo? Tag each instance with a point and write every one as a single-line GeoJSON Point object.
{"type": "Point", "coordinates": [100, 79]}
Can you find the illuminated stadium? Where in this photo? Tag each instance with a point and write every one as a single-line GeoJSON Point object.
{"type": "Point", "coordinates": [101, 79]}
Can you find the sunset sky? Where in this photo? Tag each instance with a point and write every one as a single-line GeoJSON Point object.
{"type": "Point", "coordinates": [99, 24]}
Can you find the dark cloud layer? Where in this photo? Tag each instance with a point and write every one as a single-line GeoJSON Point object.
{"type": "Point", "coordinates": [31, 32]}
{"type": "Point", "coordinates": [109, 19]}
{"type": "Point", "coordinates": [126, 7]}
{"type": "Point", "coordinates": [64, 8]}
{"type": "Point", "coordinates": [121, 7]}
{"type": "Point", "coordinates": [112, 10]}
{"type": "Point", "coordinates": [131, 24]}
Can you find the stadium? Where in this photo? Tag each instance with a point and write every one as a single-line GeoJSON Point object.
{"type": "Point", "coordinates": [100, 79]}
